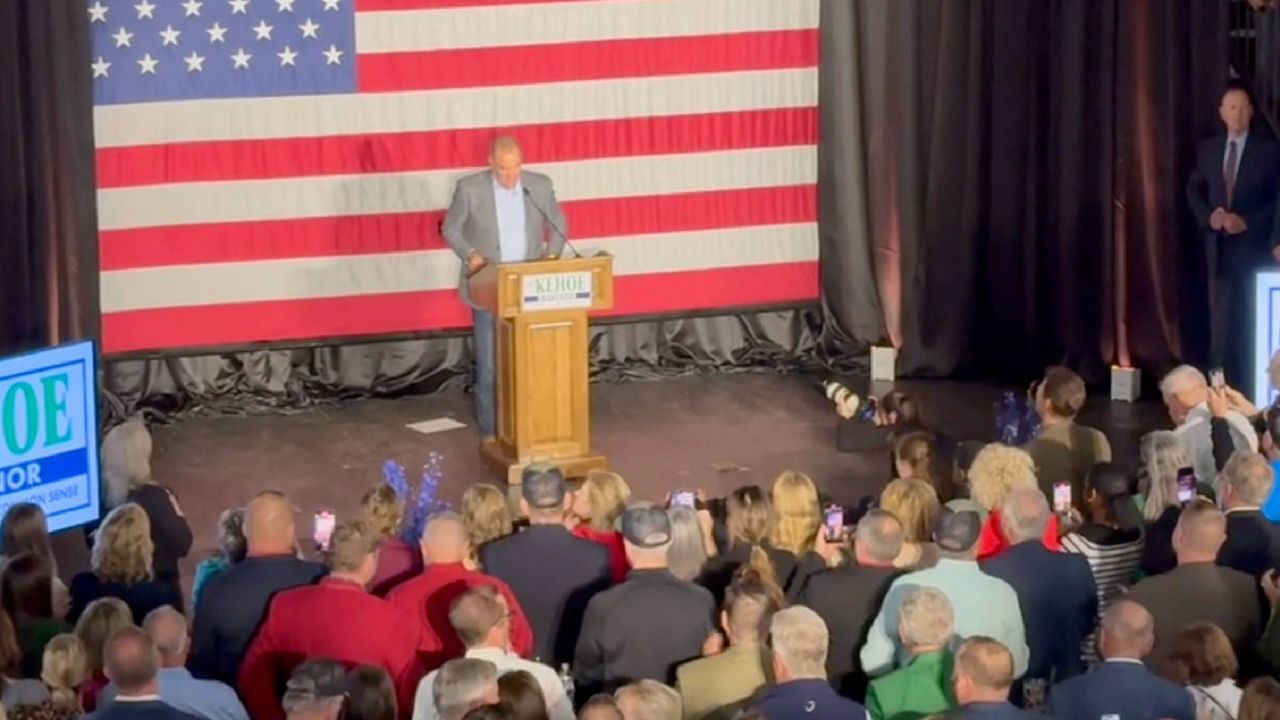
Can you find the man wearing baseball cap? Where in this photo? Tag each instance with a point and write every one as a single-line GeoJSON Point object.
{"type": "Point", "coordinates": [645, 627]}
{"type": "Point", "coordinates": [984, 605]}
{"type": "Point", "coordinates": [552, 573]}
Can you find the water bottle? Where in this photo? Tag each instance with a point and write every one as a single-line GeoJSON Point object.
{"type": "Point", "coordinates": [566, 677]}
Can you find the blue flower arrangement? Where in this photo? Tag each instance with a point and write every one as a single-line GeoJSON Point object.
{"type": "Point", "coordinates": [425, 503]}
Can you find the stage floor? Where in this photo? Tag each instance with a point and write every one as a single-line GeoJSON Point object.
{"type": "Point", "coordinates": [660, 435]}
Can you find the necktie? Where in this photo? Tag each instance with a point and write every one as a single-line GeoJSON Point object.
{"type": "Point", "coordinates": [1229, 174]}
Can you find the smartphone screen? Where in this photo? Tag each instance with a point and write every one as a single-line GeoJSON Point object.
{"type": "Point", "coordinates": [1186, 485]}
{"type": "Point", "coordinates": [323, 532]}
{"type": "Point", "coordinates": [1061, 497]}
{"type": "Point", "coordinates": [868, 413]}
{"type": "Point", "coordinates": [1218, 379]}
{"type": "Point", "coordinates": [833, 521]}
{"type": "Point", "coordinates": [684, 498]}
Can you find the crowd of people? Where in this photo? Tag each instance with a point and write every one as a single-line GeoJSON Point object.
{"type": "Point", "coordinates": [1002, 583]}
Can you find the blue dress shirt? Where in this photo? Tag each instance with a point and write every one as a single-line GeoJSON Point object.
{"type": "Point", "coordinates": [208, 699]}
{"type": "Point", "coordinates": [511, 234]}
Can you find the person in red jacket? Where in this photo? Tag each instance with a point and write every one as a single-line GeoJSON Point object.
{"type": "Point", "coordinates": [426, 598]}
{"type": "Point", "coordinates": [336, 619]}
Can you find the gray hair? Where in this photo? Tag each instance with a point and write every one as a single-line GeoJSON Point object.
{"type": "Point", "coordinates": [1162, 455]}
{"type": "Point", "coordinates": [126, 460]}
{"type": "Point", "coordinates": [1249, 476]}
{"type": "Point", "coordinates": [1182, 379]}
{"type": "Point", "coordinates": [1127, 629]}
{"type": "Point", "coordinates": [687, 552]}
{"type": "Point", "coordinates": [168, 628]}
{"type": "Point", "coordinates": [880, 534]}
{"type": "Point", "coordinates": [461, 685]}
{"type": "Point", "coordinates": [800, 641]}
{"type": "Point", "coordinates": [926, 617]}
{"type": "Point", "coordinates": [648, 700]}
{"type": "Point", "coordinates": [312, 688]}
{"type": "Point", "coordinates": [1024, 514]}
{"type": "Point", "coordinates": [504, 144]}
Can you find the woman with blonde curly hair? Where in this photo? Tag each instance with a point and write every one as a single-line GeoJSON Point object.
{"type": "Point", "coordinates": [915, 504]}
{"type": "Point", "coordinates": [64, 670]}
{"type": "Point", "coordinates": [996, 471]}
{"type": "Point", "coordinates": [100, 619]}
{"type": "Point", "coordinates": [486, 515]}
{"type": "Point", "coordinates": [397, 560]}
{"type": "Point", "coordinates": [122, 567]}
{"type": "Point", "coordinates": [594, 514]}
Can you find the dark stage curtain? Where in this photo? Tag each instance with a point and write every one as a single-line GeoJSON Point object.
{"type": "Point", "coordinates": [1009, 173]}
{"type": "Point", "coordinates": [48, 230]}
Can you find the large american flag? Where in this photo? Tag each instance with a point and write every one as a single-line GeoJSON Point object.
{"type": "Point", "coordinates": [276, 170]}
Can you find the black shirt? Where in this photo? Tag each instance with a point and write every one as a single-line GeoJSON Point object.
{"type": "Point", "coordinates": [1157, 549]}
{"type": "Point", "coordinates": [718, 573]}
{"type": "Point", "coordinates": [169, 532]}
{"type": "Point", "coordinates": [232, 607]}
{"type": "Point", "coordinates": [141, 597]}
{"type": "Point", "coordinates": [847, 599]}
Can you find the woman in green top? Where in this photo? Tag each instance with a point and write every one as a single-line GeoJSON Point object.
{"type": "Point", "coordinates": [26, 591]}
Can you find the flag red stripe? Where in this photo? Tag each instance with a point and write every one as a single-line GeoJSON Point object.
{"type": "Point", "coordinates": [277, 321]}
{"type": "Point", "coordinates": [362, 234]}
{"type": "Point", "coordinates": [402, 152]}
{"type": "Point", "coordinates": [595, 60]}
{"type": "Point", "coordinates": [380, 5]}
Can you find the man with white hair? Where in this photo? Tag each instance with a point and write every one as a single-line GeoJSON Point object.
{"type": "Point", "coordinates": [648, 625]}
{"type": "Point", "coordinates": [1056, 591]}
{"type": "Point", "coordinates": [648, 700]}
{"type": "Point", "coordinates": [206, 698]}
{"type": "Point", "coordinates": [1253, 542]}
{"type": "Point", "coordinates": [799, 640]}
{"type": "Point", "coordinates": [1186, 395]}
{"type": "Point", "coordinates": [923, 686]}
{"type": "Point", "coordinates": [316, 691]}
{"type": "Point", "coordinates": [462, 685]}
{"type": "Point", "coordinates": [501, 215]}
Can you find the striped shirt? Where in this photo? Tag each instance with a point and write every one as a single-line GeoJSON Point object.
{"type": "Point", "coordinates": [1113, 557]}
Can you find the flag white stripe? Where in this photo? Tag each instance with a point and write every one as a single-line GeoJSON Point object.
{"type": "Point", "coordinates": [342, 195]}
{"type": "Point", "coordinates": [303, 278]}
{"type": "Point", "coordinates": [453, 109]}
{"type": "Point", "coordinates": [544, 24]}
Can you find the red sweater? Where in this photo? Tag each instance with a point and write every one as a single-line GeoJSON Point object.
{"type": "Point", "coordinates": [334, 619]}
{"type": "Point", "coordinates": [618, 565]}
{"type": "Point", "coordinates": [992, 540]}
{"type": "Point", "coordinates": [427, 599]}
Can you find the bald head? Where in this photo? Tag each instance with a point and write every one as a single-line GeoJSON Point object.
{"type": "Point", "coordinates": [983, 671]}
{"type": "Point", "coordinates": [1128, 631]}
{"type": "Point", "coordinates": [131, 661]}
{"type": "Point", "coordinates": [269, 525]}
{"type": "Point", "coordinates": [1201, 530]}
{"type": "Point", "coordinates": [168, 630]}
{"type": "Point", "coordinates": [445, 539]}
{"type": "Point", "coordinates": [505, 158]}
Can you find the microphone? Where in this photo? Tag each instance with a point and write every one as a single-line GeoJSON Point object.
{"type": "Point", "coordinates": [555, 227]}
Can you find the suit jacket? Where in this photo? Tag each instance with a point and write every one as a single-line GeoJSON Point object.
{"type": "Point", "coordinates": [1254, 199]}
{"type": "Point", "coordinates": [847, 599]}
{"type": "Point", "coordinates": [923, 687]}
{"type": "Point", "coordinates": [472, 220]}
{"type": "Point", "coordinates": [554, 575]}
{"type": "Point", "coordinates": [1200, 592]}
{"type": "Point", "coordinates": [144, 710]}
{"type": "Point", "coordinates": [1120, 689]}
{"type": "Point", "coordinates": [716, 686]}
{"type": "Point", "coordinates": [993, 711]}
{"type": "Point", "coordinates": [333, 619]}
{"type": "Point", "coordinates": [1059, 602]}
{"type": "Point", "coordinates": [1253, 543]}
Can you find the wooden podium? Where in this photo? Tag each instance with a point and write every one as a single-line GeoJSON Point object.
{"type": "Point", "coordinates": [542, 360]}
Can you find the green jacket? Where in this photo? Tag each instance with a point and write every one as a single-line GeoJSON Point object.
{"type": "Point", "coordinates": [921, 688]}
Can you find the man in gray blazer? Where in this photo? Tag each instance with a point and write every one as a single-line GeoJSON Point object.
{"type": "Point", "coordinates": [501, 215]}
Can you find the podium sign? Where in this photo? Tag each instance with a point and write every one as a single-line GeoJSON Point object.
{"type": "Point", "coordinates": [1266, 334]}
{"type": "Point", "coordinates": [541, 353]}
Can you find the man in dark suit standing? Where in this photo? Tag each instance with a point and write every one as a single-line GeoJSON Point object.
{"type": "Point", "coordinates": [552, 573]}
{"type": "Point", "coordinates": [1253, 542]}
{"type": "Point", "coordinates": [848, 598]}
{"type": "Point", "coordinates": [1056, 591]}
{"type": "Point", "coordinates": [1122, 687]}
{"type": "Point", "coordinates": [1232, 192]}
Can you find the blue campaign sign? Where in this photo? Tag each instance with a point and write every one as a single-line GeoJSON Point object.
{"type": "Point", "coordinates": [49, 434]}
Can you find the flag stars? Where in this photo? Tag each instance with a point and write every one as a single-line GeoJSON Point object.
{"type": "Point", "coordinates": [147, 65]}
{"type": "Point", "coordinates": [169, 35]}
{"type": "Point", "coordinates": [239, 7]}
{"type": "Point", "coordinates": [287, 57]}
{"type": "Point", "coordinates": [330, 5]}
{"type": "Point", "coordinates": [123, 38]}
{"type": "Point", "coordinates": [333, 56]}
{"type": "Point", "coordinates": [192, 8]}
{"type": "Point", "coordinates": [145, 9]}
{"type": "Point", "coordinates": [309, 29]}
{"type": "Point", "coordinates": [98, 12]}
{"type": "Point", "coordinates": [195, 63]}
{"type": "Point", "coordinates": [285, 5]}
{"type": "Point", "coordinates": [263, 30]}
{"type": "Point", "coordinates": [100, 68]}
{"type": "Point", "coordinates": [217, 34]}
{"type": "Point", "coordinates": [241, 59]}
